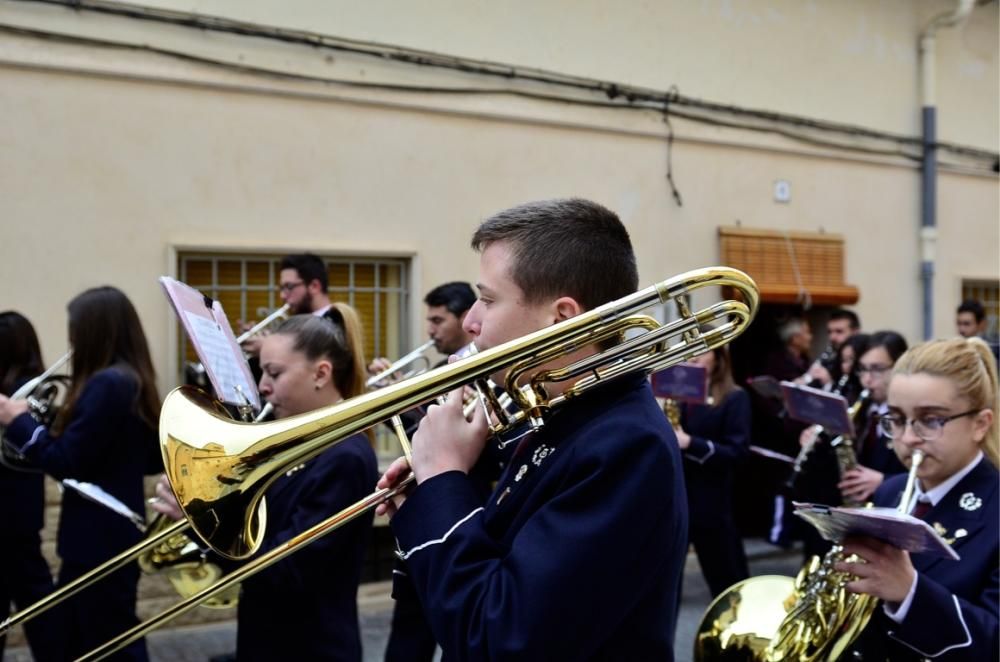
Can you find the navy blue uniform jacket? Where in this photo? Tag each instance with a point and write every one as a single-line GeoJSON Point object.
{"type": "Point", "coordinates": [953, 615]}
{"type": "Point", "coordinates": [720, 438]}
{"type": "Point", "coordinates": [577, 554]}
{"type": "Point", "coordinates": [305, 607]}
{"type": "Point", "coordinates": [105, 443]}
{"type": "Point", "coordinates": [27, 490]}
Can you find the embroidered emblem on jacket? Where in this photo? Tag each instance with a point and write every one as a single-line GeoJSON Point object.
{"type": "Point", "coordinates": [970, 502]}
{"type": "Point", "coordinates": [540, 454]}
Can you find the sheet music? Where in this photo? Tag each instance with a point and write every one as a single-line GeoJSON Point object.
{"type": "Point", "coordinates": [685, 381]}
{"type": "Point", "coordinates": [218, 351]}
{"type": "Point", "coordinates": [900, 530]}
{"type": "Point", "coordinates": [811, 405]}
{"type": "Point", "coordinates": [213, 341]}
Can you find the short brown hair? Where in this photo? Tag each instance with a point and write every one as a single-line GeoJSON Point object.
{"type": "Point", "coordinates": [566, 247]}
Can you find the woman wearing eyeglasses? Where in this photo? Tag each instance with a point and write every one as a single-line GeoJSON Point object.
{"type": "Point", "coordinates": [942, 402]}
{"type": "Point", "coordinates": [875, 457]}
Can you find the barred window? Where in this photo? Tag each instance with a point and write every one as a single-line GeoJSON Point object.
{"type": "Point", "coordinates": [247, 287]}
{"type": "Point", "coordinates": [986, 292]}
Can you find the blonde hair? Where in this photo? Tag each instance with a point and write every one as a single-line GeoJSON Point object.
{"type": "Point", "coordinates": [971, 367]}
{"type": "Point", "coordinates": [337, 336]}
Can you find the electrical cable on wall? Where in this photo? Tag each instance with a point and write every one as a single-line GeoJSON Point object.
{"type": "Point", "coordinates": [617, 96]}
{"type": "Point", "coordinates": [670, 147]}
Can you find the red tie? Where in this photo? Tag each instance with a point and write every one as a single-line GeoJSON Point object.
{"type": "Point", "coordinates": [921, 509]}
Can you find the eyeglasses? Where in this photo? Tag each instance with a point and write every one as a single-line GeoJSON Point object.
{"type": "Point", "coordinates": [288, 287]}
{"type": "Point", "coordinates": [928, 428]}
{"type": "Point", "coordinates": [874, 369]}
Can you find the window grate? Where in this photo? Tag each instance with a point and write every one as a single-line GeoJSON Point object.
{"type": "Point", "coordinates": [987, 293]}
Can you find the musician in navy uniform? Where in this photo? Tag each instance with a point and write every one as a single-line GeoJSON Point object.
{"type": "Point", "coordinates": [578, 552]}
{"type": "Point", "coordinates": [876, 460]}
{"type": "Point", "coordinates": [942, 401]}
{"type": "Point", "coordinates": [305, 606]}
{"type": "Point", "coordinates": [714, 439]}
{"type": "Point", "coordinates": [410, 636]}
{"type": "Point", "coordinates": [24, 575]}
{"type": "Point", "coordinates": [104, 434]}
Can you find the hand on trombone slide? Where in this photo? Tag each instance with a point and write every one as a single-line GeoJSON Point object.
{"type": "Point", "coordinates": [445, 441]}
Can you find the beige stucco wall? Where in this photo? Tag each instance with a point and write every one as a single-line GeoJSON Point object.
{"type": "Point", "coordinates": [111, 160]}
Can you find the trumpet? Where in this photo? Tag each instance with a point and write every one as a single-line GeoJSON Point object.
{"type": "Point", "coordinates": [263, 324]}
{"type": "Point", "coordinates": [413, 357]}
{"type": "Point", "coordinates": [220, 470]}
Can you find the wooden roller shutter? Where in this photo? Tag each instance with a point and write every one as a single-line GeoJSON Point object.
{"type": "Point", "coordinates": [790, 267]}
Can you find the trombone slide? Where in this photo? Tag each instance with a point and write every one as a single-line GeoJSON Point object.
{"type": "Point", "coordinates": [262, 562]}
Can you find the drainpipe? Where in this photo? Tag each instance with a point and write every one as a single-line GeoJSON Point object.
{"type": "Point", "coordinates": [928, 184]}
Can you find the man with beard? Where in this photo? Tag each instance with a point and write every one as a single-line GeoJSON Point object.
{"type": "Point", "coordinates": [303, 284]}
{"type": "Point", "coordinates": [446, 308]}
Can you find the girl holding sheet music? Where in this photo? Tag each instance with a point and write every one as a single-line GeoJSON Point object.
{"type": "Point", "coordinates": [714, 440]}
{"type": "Point", "coordinates": [942, 401]}
{"type": "Point", "coordinates": [104, 434]}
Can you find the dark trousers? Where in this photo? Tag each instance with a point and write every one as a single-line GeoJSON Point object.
{"type": "Point", "coordinates": [25, 579]}
{"type": "Point", "coordinates": [100, 612]}
{"type": "Point", "coordinates": [410, 639]}
{"type": "Point", "coordinates": [719, 548]}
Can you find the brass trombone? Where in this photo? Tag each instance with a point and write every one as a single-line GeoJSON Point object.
{"type": "Point", "coordinates": [219, 469]}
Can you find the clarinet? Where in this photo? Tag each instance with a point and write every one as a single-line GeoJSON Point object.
{"type": "Point", "coordinates": [817, 433]}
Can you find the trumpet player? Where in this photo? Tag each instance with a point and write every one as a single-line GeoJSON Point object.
{"type": "Point", "coordinates": [24, 574]}
{"type": "Point", "coordinates": [305, 607]}
{"type": "Point", "coordinates": [105, 434]}
{"type": "Point", "coordinates": [303, 282]}
{"type": "Point", "coordinates": [942, 401]}
{"type": "Point", "coordinates": [447, 306]}
{"type": "Point", "coordinates": [410, 637]}
{"type": "Point", "coordinates": [578, 551]}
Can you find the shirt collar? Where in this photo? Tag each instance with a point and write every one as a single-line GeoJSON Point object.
{"type": "Point", "coordinates": [936, 494]}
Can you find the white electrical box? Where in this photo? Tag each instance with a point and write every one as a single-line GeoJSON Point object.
{"type": "Point", "coordinates": [782, 191]}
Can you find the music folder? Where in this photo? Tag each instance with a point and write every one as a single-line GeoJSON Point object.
{"type": "Point", "coordinates": [685, 382]}
{"type": "Point", "coordinates": [835, 523]}
{"type": "Point", "coordinates": [765, 386]}
{"type": "Point", "coordinates": [208, 329]}
{"type": "Point", "coordinates": [812, 405]}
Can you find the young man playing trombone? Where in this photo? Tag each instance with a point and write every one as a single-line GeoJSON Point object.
{"type": "Point", "coordinates": [578, 552]}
